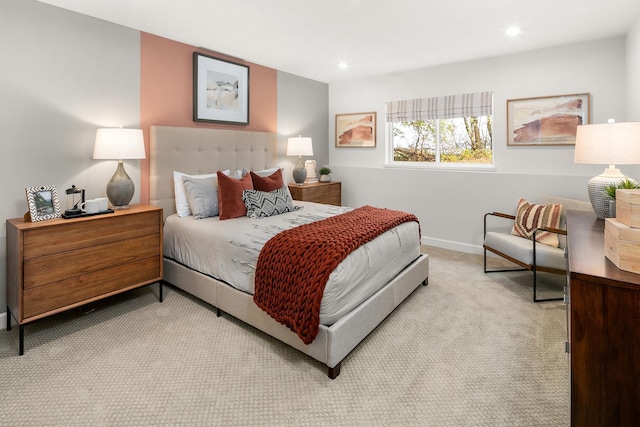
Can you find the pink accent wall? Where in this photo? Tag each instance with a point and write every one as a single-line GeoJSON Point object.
{"type": "Point", "coordinates": [166, 93]}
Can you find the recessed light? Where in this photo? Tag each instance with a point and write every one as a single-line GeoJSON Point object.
{"type": "Point", "coordinates": [513, 31]}
{"type": "Point", "coordinates": [343, 65]}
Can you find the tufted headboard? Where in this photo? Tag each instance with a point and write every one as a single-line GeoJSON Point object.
{"type": "Point", "coordinates": [201, 151]}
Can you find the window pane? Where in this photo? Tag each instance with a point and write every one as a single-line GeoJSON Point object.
{"type": "Point", "coordinates": [461, 140]}
{"type": "Point", "coordinates": [414, 141]}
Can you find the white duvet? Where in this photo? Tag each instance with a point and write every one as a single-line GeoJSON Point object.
{"type": "Point", "coordinates": [228, 250]}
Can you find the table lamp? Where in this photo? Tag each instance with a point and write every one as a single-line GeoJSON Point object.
{"type": "Point", "coordinates": [606, 144]}
{"type": "Point", "coordinates": [299, 146]}
{"type": "Point", "coordinates": [119, 144]}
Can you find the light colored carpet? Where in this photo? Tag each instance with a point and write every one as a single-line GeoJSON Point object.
{"type": "Point", "coordinates": [469, 349]}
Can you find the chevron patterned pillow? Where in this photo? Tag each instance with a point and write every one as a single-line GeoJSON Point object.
{"type": "Point", "coordinates": [530, 216]}
{"type": "Point", "coordinates": [262, 204]}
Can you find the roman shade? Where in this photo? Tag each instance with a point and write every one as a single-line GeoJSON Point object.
{"type": "Point", "coordinates": [441, 107]}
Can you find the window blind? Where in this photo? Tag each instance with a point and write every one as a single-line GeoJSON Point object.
{"type": "Point", "coordinates": [441, 107]}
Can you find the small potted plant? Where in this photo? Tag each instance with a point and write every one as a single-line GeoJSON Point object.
{"type": "Point", "coordinates": [610, 191]}
{"type": "Point", "coordinates": [324, 174]}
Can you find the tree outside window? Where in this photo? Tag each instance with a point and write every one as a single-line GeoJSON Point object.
{"type": "Point", "coordinates": [459, 140]}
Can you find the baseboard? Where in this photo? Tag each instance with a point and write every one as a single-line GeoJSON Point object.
{"type": "Point", "coordinates": [3, 320]}
{"type": "Point", "coordinates": [454, 246]}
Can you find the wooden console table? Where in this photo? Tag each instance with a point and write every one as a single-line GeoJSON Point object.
{"type": "Point", "coordinates": [604, 330]}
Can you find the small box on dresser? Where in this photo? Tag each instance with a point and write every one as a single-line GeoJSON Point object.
{"type": "Point", "coordinates": [622, 245]}
{"type": "Point", "coordinates": [622, 233]}
{"type": "Point", "coordinates": [628, 207]}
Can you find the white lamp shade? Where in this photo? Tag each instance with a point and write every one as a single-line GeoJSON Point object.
{"type": "Point", "coordinates": [300, 146]}
{"type": "Point", "coordinates": [608, 144]}
{"type": "Point", "coordinates": [119, 144]}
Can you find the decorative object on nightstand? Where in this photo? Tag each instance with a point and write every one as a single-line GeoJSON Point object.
{"type": "Point", "coordinates": [609, 143]}
{"type": "Point", "coordinates": [119, 144]}
{"type": "Point", "coordinates": [299, 146]}
{"type": "Point", "coordinates": [324, 174]}
{"type": "Point", "coordinates": [310, 167]}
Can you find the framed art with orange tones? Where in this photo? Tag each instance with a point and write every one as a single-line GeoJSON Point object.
{"type": "Point", "coordinates": [546, 120]}
{"type": "Point", "coordinates": [356, 130]}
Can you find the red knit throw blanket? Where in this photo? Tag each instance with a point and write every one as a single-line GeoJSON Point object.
{"type": "Point", "coordinates": [294, 265]}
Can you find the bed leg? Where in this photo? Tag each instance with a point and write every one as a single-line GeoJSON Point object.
{"type": "Point", "coordinates": [425, 282]}
{"type": "Point", "coordinates": [218, 312]}
{"type": "Point", "coordinates": [335, 371]}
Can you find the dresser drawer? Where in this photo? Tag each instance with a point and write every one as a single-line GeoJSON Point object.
{"type": "Point", "coordinates": [81, 289]}
{"type": "Point", "coordinates": [63, 265]}
{"type": "Point", "coordinates": [98, 230]}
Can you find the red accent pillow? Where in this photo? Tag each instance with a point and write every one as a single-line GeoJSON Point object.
{"type": "Point", "coordinates": [267, 183]}
{"type": "Point", "coordinates": [230, 195]}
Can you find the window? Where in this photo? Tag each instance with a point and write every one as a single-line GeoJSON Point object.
{"type": "Point", "coordinates": [451, 130]}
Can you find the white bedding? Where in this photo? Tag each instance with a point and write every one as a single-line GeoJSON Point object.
{"type": "Point", "coordinates": [228, 250]}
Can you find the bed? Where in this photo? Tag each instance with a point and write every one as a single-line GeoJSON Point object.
{"type": "Point", "coordinates": [199, 151]}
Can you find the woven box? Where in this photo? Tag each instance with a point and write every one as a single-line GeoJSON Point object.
{"type": "Point", "coordinates": [622, 245]}
{"type": "Point", "coordinates": [628, 207]}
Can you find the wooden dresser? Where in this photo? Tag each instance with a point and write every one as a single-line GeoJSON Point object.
{"type": "Point", "coordinates": [56, 265]}
{"type": "Point", "coordinates": [604, 330]}
{"type": "Point", "coordinates": [329, 193]}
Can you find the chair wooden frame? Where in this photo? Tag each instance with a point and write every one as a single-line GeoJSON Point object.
{"type": "Point", "coordinates": [531, 267]}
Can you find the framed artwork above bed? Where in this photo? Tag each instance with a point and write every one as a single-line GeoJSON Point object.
{"type": "Point", "coordinates": [220, 90]}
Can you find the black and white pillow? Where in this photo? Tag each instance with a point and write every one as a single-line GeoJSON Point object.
{"type": "Point", "coordinates": [262, 204]}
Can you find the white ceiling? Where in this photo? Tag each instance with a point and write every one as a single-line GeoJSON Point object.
{"type": "Point", "coordinates": [310, 37]}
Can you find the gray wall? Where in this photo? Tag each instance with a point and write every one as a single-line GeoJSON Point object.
{"type": "Point", "coordinates": [303, 109]}
{"type": "Point", "coordinates": [451, 204]}
{"type": "Point", "coordinates": [633, 72]}
{"type": "Point", "coordinates": [63, 75]}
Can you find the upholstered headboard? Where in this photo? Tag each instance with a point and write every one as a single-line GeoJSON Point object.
{"type": "Point", "coordinates": [201, 151]}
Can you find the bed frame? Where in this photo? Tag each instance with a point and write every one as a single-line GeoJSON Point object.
{"type": "Point", "coordinates": [199, 151]}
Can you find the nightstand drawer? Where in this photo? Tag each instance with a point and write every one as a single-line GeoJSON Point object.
{"type": "Point", "coordinates": [329, 193]}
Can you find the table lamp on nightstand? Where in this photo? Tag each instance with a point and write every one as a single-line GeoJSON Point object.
{"type": "Point", "coordinates": [119, 144]}
{"type": "Point", "coordinates": [299, 146]}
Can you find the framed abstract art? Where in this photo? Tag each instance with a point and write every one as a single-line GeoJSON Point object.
{"type": "Point", "coordinates": [546, 120]}
{"type": "Point", "coordinates": [220, 90]}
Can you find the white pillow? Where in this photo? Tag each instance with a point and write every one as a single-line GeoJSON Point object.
{"type": "Point", "coordinates": [266, 172]}
{"type": "Point", "coordinates": [239, 173]}
{"type": "Point", "coordinates": [182, 204]}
